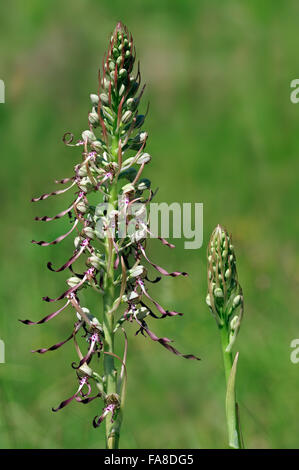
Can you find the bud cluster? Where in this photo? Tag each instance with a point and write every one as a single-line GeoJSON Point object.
{"type": "Point", "coordinates": [225, 298]}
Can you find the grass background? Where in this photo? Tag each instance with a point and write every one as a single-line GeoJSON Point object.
{"type": "Point", "coordinates": [223, 132]}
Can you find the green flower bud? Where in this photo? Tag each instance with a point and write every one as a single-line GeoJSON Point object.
{"type": "Point", "coordinates": [228, 273]}
{"type": "Point", "coordinates": [122, 73]}
{"type": "Point", "coordinates": [94, 99]}
{"type": "Point", "coordinates": [128, 188]}
{"type": "Point", "coordinates": [107, 113]}
{"type": "Point", "coordinates": [82, 170]}
{"type": "Point", "coordinates": [94, 261]}
{"type": "Point", "coordinates": [77, 241]}
{"type": "Point", "coordinates": [122, 89]}
{"type": "Point", "coordinates": [137, 271]}
{"type": "Point", "coordinates": [218, 293]}
{"type": "Point", "coordinates": [106, 84]}
{"type": "Point", "coordinates": [104, 99]}
{"type": "Point", "coordinates": [143, 184]}
{"type": "Point", "coordinates": [119, 60]}
{"type": "Point", "coordinates": [89, 232]}
{"type": "Point", "coordinates": [81, 207]}
{"type": "Point", "coordinates": [126, 117]}
{"type": "Point", "coordinates": [237, 301]}
{"type": "Point", "coordinates": [130, 102]}
{"type": "Point", "coordinates": [73, 281]}
{"type": "Point", "coordinates": [85, 184]}
{"type": "Point", "coordinates": [133, 296]}
{"type": "Point", "coordinates": [93, 119]}
{"type": "Point", "coordinates": [89, 136]}
{"type": "Point", "coordinates": [144, 158]}
{"type": "Point", "coordinates": [97, 145]}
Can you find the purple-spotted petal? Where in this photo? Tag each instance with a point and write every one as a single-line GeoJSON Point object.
{"type": "Point", "coordinates": [108, 409]}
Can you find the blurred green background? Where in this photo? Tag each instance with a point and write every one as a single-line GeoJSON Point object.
{"type": "Point", "coordinates": [223, 132]}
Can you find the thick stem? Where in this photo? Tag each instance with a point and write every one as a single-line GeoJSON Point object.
{"type": "Point", "coordinates": [110, 372]}
{"type": "Point", "coordinates": [234, 433]}
{"type": "Point", "coordinates": [112, 429]}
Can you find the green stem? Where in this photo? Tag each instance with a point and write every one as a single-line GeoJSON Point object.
{"type": "Point", "coordinates": [233, 427]}
{"type": "Point", "coordinates": [112, 429]}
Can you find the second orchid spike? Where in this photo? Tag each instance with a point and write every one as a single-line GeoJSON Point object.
{"type": "Point", "coordinates": [225, 298]}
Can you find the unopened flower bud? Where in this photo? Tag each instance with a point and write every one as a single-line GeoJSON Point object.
{"type": "Point", "coordinates": [119, 60]}
{"type": "Point", "coordinates": [94, 261]}
{"type": "Point", "coordinates": [130, 102]}
{"type": "Point", "coordinates": [94, 99]}
{"type": "Point", "coordinates": [237, 300]}
{"type": "Point", "coordinates": [73, 281]}
{"type": "Point", "coordinates": [77, 241]}
{"type": "Point", "coordinates": [89, 232]}
{"type": "Point", "coordinates": [122, 73]}
{"type": "Point", "coordinates": [89, 136]}
{"type": "Point", "coordinates": [128, 188]}
{"type": "Point", "coordinates": [208, 300]}
{"type": "Point", "coordinates": [126, 117]}
{"type": "Point", "coordinates": [93, 119]}
{"type": "Point", "coordinates": [106, 84]}
{"type": "Point", "coordinates": [104, 99]}
{"type": "Point", "coordinates": [85, 184]}
{"type": "Point", "coordinates": [144, 158]}
{"type": "Point", "coordinates": [143, 184]}
{"type": "Point", "coordinates": [218, 293]}
{"type": "Point", "coordinates": [97, 145]}
{"type": "Point", "coordinates": [132, 296]}
{"type": "Point", "coordinates": [82, 171]}
{"type": "Point", "coordinates": [122, 89]}
{"type": "Point", "coordinates": [138, 271]}
{"type": "Point", "coordinates": [81, 207]}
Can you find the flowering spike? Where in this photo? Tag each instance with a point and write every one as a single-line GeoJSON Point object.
{"type": "Point", "coordinates": [112, 147]}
